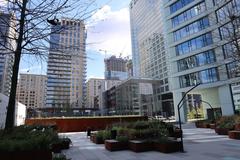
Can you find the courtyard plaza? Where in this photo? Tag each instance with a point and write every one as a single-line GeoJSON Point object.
{"type": "Point", "coordinates": [199, 144]}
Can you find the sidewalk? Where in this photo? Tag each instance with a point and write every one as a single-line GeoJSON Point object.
{"type": "Point", "coordinates": [199, 144]}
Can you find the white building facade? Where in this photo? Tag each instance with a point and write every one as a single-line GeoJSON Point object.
{"type": "Point", "coordinates": [92, 91]}
{"type": "Point", "coordinates": [197, 52]}
{"type": "Point", "coordinates": [20, 112]}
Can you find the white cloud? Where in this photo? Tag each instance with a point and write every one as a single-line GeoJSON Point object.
{"type": "Point", "coordinates": [110, 30]}
{"type": "Point", "coordinates": [3, 3]}
{"type": "Point", "coordinates": [92, 76]}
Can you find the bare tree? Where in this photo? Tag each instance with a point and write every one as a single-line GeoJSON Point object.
{"type": "Point", "coordinates": [228, 20]}
{"type": "Point", "coordinates": [29, 27]}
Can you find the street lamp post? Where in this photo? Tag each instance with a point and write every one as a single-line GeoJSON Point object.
{"type": "Point", "coordinates": [179, 106]}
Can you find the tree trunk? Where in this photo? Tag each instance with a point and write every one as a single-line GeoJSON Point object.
{"type": "Point", "coordinates": [17, 56]}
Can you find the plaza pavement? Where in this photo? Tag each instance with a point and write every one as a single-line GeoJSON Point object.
{"type": "Point", "coordinates": [199, 144]}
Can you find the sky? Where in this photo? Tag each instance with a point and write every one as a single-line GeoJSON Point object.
{"type": "Point", "coordinates": [108, 29]}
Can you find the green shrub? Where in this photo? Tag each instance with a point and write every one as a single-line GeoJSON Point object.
{"type": "Point", "coordinates": [26, 138]}
{"type": "Point", "coordinates": [122, 138]}
{"type": "Point", "coordinates": [103, 134]}
{"type": "Point", "coordinates": [237, 119]}
{"type": "Point", "coordinates": [141, 125]}
{"type": "Point", "coordinates": [60, 157]}
{"type": "Point", "coordinates": [227, 122]}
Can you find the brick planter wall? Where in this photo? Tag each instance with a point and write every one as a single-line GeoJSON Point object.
{"type": "Point", "coordinates": [82, 123]}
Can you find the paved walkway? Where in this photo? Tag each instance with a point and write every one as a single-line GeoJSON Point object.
{"type": "Point", "coordinates": [199, 144]}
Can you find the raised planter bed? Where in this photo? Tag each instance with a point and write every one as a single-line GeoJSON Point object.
{"type": "Point", "coordinates": [200, 124]}
{"type": "Point", "coordinates": [96, 140]}
{"type": "Point", "coordinates": [234, 134]}
{"type": "Point", "coordinates": [237, 127]}
{"type": "Point", "coordinates": [140, 146]}
{"type": "Point", "coordinates": [212, 125]}
{"type": "Point", "coordinates": [222, 131]}
{"type": "Point", "coordinates": [168, 146]}
{"type": "Point", "coordinates": [26, 155]}
{"type": "Point", "coordinates": [114, 145]}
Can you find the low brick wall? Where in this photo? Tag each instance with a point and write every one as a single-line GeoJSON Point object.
{"type": "Point", "coordinates": [82, 123]}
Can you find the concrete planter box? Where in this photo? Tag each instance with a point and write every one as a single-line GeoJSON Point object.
{"type": "Point", "coordinates": [222, 131]}
{"type": "Point", "coordinates": [168, 147]}
{"type": "Point", "coordinates": [234, 134]}
{"type": "Point", "coordinates": [114, 145]}
{"type": "Point", "coordinates": [26, 155]}
{"type": "Point", "coordinates": [200, 124]}
{"type": "Point", "coordinates": [140, 146]}
{"type": "Point", "coordinates": [96, 139]}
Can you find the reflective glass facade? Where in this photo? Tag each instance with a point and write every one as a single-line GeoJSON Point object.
{"type": "Point", "coordinates": [194, 44]}
{"type": "Point", "coordinates": [192, 28]}
{"type": "Point", "coordinates": [205, 76]}
{"type": "Point", "coordinates": [179, 4]}
{"type": "Point", "coordinates": [188, 14]}
{"type": "Point", "coordinates": [197, 60]}
{"type": "Point", "coordinates": [66, 70]}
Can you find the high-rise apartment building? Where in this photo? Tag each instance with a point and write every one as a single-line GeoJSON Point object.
{"type": "Point", "coordinates": [31, 90]}
{"type": "Point", "coordinates": [93, 90]}
{"type": "Point", "coordinates": [115, 68]}
{"type": "Point", "coordinates": [149, 56]}
{"type": "Point", "coordinates": [66, 70]}
{"type": "Point", "coordinates": [7, 44]}
{"type": "Point", "coordinates": [198, 51]}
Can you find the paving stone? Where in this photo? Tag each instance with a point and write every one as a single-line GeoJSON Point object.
{"type": "Point", "coordinates": [199, 144]}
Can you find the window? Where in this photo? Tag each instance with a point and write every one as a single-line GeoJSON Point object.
{"type": "Point", "coordinates": [192, 12]}
{"type": "Point", "coordinates": [205, 76]}
{"type": "Point", "coordinates": [233, 69]}
{"type": "Point", "coordinates": [231, 8]}
{"type": "Point", "coordinates": [179, 4]}
{"type": "Point", "coordinates": [193, 44]}
{"type": "Point", "coordinates": [191, 28]}
{"type": "Point", "coordinates": [229, 49]}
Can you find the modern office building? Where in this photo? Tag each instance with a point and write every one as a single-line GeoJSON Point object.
{"type": "Point", "coordinates": [149, 56]}
{"type": "Point", "coordinates": [115, 68]}
{"type": "Point", "coordinates": [197, 45]}
{"type": "Point", "coordinates": [101, 97]}
{"type": "Point", "coordinates": [31, 90]}
{"type": "Point", "coordinates": [7, 44]}
{"type": "Point", "coordinates": [66, 70]}
{"type": "Point", "coordinates": [93, 90]}
{"type": "Point", "coordinates": [133, 96]}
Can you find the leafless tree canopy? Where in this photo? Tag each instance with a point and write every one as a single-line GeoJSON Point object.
{"type": "Point", "coordinates": [228, 18]}
{"type": "Point", "coordinates": [37, 29]}
{"type": "Point", "coordinates": [26, 26]}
